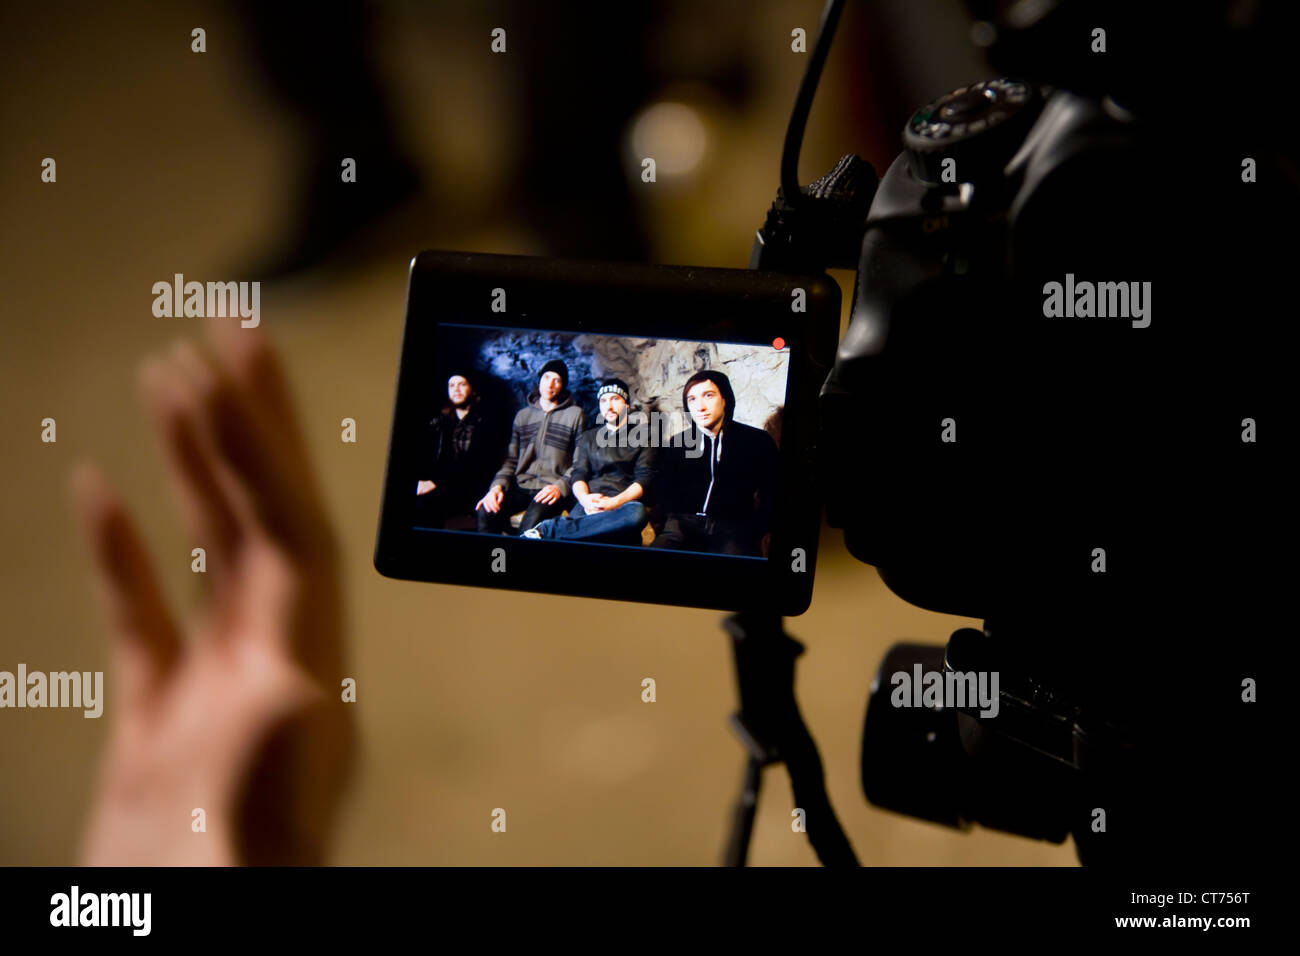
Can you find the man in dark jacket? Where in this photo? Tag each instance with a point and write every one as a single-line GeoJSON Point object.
{"type": "Point", "coordinates": [459, 457]}
{"type": "Point", "coordinates": [611, 473]}
{"type": "Point", "coordinates": [719, 500]}
{"type": "Point", "coordinates": [533, 477]}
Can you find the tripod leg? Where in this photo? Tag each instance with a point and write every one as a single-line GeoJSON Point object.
{"type": "Point", "coordinates": [742, 824]}
{"type": "Point", "coordinates": [771, 728]}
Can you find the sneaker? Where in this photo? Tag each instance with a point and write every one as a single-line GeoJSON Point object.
{"type": "Point", "coordinates": [532, 533]}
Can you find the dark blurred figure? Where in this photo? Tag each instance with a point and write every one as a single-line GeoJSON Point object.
{"type": "Point", "coordinates": [317, 59]}
{"type": "Point", "coordinates": [578, 78]}
{"type": "Point", "coordinates": [582, 76]}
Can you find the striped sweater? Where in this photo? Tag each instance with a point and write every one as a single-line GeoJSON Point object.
{"type": "Point", "coordinates": [541, 446]}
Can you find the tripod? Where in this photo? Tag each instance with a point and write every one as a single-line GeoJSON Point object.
{"type": "Point", "coordinates": [768, 723]}
{"type": "Point", "coordinates": [806, 230]}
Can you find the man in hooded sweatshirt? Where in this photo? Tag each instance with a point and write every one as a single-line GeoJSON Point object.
{"type": "Point", "coordinates": [719, 477]}
{"type": "Point", "coordinates": [533, 478]}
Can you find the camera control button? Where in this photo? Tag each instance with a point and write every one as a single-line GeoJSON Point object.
{"type": "Point", "coordinates": [979, 127]}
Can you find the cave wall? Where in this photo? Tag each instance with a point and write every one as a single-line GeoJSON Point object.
{"type": "Point", "coordinates": [655, 369]}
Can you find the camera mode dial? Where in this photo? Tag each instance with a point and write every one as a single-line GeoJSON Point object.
{"type": "Point", "coordinates": [979, 127]}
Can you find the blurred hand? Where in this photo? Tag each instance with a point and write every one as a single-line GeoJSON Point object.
{"type": "Point", "coordinates": [548, 495]}
{"type": "Point", "coordinates": [491, 502]}
{"type": "Point", "coordinates": [594, 503]}
{"type": "Point", "coordinates": [236, 710]}
{"type": "Point", "coordinates": [424, 487]}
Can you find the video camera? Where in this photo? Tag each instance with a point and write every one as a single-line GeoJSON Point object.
{"type": "Point", "coordinates": [1044, 414]}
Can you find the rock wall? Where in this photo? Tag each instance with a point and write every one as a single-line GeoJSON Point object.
{"type": "Point", "coordinates": [655, 369]}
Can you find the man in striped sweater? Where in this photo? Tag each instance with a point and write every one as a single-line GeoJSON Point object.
{"type": "Point", "coordinates": [534, 476]}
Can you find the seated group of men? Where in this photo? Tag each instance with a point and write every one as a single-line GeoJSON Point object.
{"type": "Point", "coordinates": [713, 484]}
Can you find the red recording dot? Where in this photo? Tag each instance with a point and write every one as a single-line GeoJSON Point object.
{"type": "Point", "coordinates": [778, 343]}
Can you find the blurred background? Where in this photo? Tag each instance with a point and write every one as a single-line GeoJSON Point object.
{"type": "Point", "coordinates": [224, 166]}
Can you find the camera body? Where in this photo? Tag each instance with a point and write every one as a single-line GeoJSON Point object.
{"type": "Point", "coordinates": [1051, 378]}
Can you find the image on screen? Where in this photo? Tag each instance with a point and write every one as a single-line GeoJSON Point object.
{"type": "Point", "coordinates": [601, 439]}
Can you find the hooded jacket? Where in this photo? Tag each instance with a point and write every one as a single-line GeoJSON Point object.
{"type": "Point", "coordinates": [731, 479]}
{"type": "Point", "coordinates": [541, 446]}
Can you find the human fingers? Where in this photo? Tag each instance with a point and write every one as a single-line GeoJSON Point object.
{"type": "Point", "coordinates": [145, 640]}
{"type": "Point", "coordinates": [248, 357]}
{"type": "Point", "coordinates": [261, 452]}
{"type": "Point", "coordinates": [172, 388]}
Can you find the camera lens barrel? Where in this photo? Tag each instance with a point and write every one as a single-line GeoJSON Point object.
{"type": "Point", "coordinates": [912, 757]}
{"type": "Point", "coordinates": [950, 766]}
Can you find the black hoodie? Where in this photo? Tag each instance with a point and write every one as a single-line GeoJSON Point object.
{"type": "Point", "coordinates": [732, 478]}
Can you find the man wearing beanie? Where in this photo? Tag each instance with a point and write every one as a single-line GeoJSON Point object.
{"type": "Point", "coordinates": [609, 476]}
{"type": "Point", "coordinates": [533, 476]}
{"type": "Point", "coordinates": [722, 500]}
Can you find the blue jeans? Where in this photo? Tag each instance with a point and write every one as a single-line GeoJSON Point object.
{"type": "Point", "coordinates": [621, 526]}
